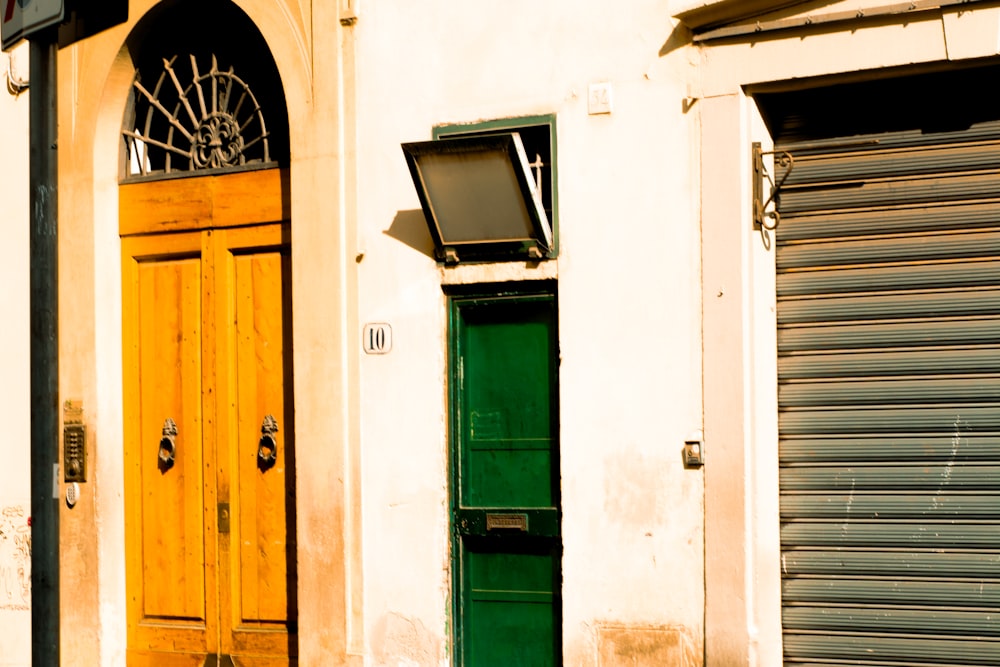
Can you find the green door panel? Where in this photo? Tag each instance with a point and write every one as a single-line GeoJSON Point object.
{"type": "Point", "coordinates": [505, 487]}
{"type": "Point", "coordinates": [507, 353]}
{"type": "Point", "coordinates": [510, 608]}
{"type": "Point", "coordinates": [499, 477]}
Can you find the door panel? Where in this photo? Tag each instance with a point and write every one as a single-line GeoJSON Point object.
{"type": "Point", "coordinates": [510, 608]}
{"type": "Point", "coordinates": [259, 379]}
{"type": "Point", "coordinates": [506, 491]}
{"type": "Point", "coordinates": [507, 352]}
{"type": "Point", "coordinates": [173, 554]}
{"type": "Point", "coordinates": [167, 541]}
{"type": "Point", "coordinates": [262, 564]}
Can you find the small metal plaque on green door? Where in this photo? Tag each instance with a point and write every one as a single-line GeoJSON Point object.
{"type": "Point", "coordinates": [496, 521]}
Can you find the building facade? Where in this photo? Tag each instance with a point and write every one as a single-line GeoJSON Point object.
{"type": "Point", "coordinates": [740, 409]}
{"type": "Point", "coordinates": [15, 503]}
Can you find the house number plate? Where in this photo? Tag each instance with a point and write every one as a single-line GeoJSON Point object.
{"type": "Point", "coordinates": [377, 338]}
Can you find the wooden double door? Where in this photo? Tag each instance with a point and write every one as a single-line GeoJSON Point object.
{"type": "Point", "coordinates": [209, 447]}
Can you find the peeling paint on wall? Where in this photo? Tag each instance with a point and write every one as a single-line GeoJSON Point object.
{"type": "Point", "coordinates": [15, 558]}
{"type": "Point", "coordinates": [398, 641]}
{"type": "Point", "coordinates": [644, 646]}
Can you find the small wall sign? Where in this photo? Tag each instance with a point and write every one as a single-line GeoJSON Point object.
{"type": "Point", "coordinates": [377, 338]}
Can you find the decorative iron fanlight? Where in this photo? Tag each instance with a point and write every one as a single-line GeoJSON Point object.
{"type": "Point", "coordinates": [193, 120]}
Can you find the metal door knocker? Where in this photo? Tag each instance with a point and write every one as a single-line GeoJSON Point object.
{"type": "Point", "coordinates": [267, 450]}
{"type": "Point", "coordinates": [168, 445]}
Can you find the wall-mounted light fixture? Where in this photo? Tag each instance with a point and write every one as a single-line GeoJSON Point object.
{"type": "Point", "coordinates": [480, 198]}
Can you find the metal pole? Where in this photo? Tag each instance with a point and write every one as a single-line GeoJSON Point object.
{"type": "Point", "coordinates": [44, 280]}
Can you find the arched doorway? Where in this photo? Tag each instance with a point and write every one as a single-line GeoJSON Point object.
{"type": "Point", "coordinates": [208, 403]}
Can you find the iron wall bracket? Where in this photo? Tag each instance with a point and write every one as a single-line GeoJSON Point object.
{"type": "Point", "coordinates": [762, 218]}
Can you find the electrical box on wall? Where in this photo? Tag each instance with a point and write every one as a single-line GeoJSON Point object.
{"type": "Point", "coordinates": [74, 443]}
{"type": "Point", "coordinates": [694, 450]}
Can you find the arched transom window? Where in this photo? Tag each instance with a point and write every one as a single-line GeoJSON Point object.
{"type": "Point", "coordinates": [198, 109]}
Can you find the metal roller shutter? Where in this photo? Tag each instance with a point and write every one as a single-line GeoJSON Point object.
{"type": "Point", "coordinates": [888, 279]}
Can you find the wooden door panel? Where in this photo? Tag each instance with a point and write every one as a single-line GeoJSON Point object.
{"type": "Point", "coordinates": [261, 561]}
{"type": "Point", "coordinates": [173, 553]}
{"type": "Point", "coordinates": [167, 549]}
{"type": "Point", "coordinates": [260, 383]}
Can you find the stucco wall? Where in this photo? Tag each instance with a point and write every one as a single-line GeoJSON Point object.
{"type": "Point", "coordinates": [661, 279]}
{"type": "Point", "coordinates": [629, 317]}
{"type": "Point", "coordinates": [15, 398]}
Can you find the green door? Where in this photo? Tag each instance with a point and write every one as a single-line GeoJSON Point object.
{"type": "Point", "coordinates": [505, 493]}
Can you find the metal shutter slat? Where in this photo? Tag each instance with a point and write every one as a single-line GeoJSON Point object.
{"type": "Point", "coordinates": [923, 447]}
{"type": "Point", "coordinates": [933, 159]}
{"type": "Point", "coordinates": [891, 362]}
{"type": "Point", "coordinates": [934, 217]}
{"type": "Point", "coordinates": [874, 392]}
{"type": "Point", "coordinates": [862, 193]}
{"type": "Point", "coordinates": [881, 250]}
{"type": "Point", "coordinates": [874, 279]}
{"type": "Point", "coordinates": [881, 534]}
{"type": "Point", "coordinates": [883, 593]}
{"type": "Point", "coordinates": [883, 564]}
{"type": "Point", "coordinates": [930, 478]}
{"type": "Point", "coordinates": [880, 334]}
{"type": "Point", "coordinates": [910, 304]}
{"type": "Point", "coordinates": [900, 621]}
{"type": "Point", "coordinates": [878, 648]}
{"type": "Point", "coordinates": [961, 418]}
{"type": "Point", "coordinates": [896, 506]}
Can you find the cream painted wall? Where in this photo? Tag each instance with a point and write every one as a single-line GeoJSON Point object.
{"type": "Point", "coordinates": [665, 311]}
{"type": "Point", "coordinates": [629, 311]}
{"type": "Point", "coordinates": [15, 398]}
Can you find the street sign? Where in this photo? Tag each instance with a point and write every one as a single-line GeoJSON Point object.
{"type": "Point", "coordinates": [21, 18]}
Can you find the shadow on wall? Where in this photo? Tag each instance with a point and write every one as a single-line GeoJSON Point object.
{"type": "Point", "coordinates": [680, 36]}
{"type": "Point", "coordinates": [410, 228]}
